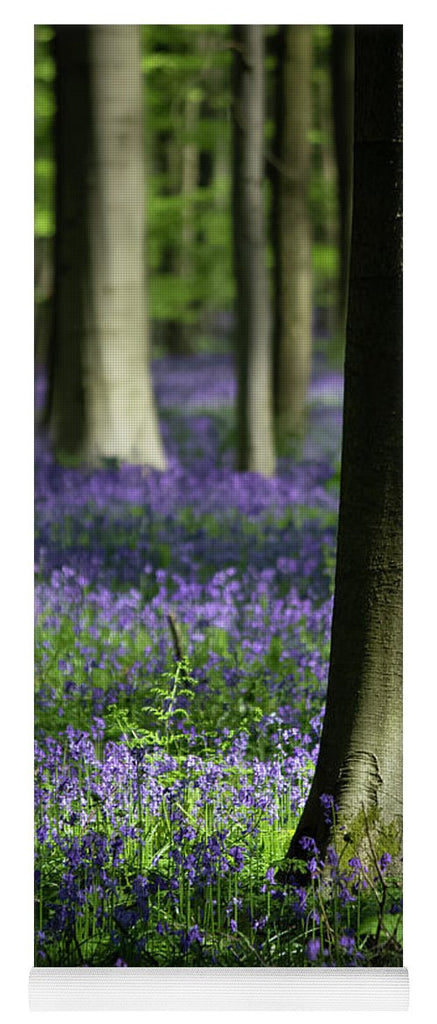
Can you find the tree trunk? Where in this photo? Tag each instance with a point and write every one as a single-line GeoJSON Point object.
{"type": "Point", "coordinates": [277, 54]}
{"type": "Point", "coordinates": [190, 172]}
{"type": "Point", "coordinates": [43, 276]}
{"type": "Point", "coordinates": [102, 401]}
{"type": "Point", "coordinates": [172, 330]}
{"type": "Point", "coordinates": [360, 759]}
{"type": "Point", "coordinates": [342, 62]}
{"type": "Point", "coordinates": [329, 230]}
{"type": "Point", "coordinates": [253, 317]}
{"type": "Point", "coordinates": [293, 257]}
{"type": "Point", "coordinates": [122, 418]}
{"type": "Point", "coordinates": [65, 406]}
{"type": "Point", "coordinates": [189, 183]}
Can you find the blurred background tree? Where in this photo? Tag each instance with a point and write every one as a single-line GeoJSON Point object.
{"type": "Point", "coordinates": [292, 228]}
{"type": "Point", "coordinates": [256, 446]}
{"type": "Point", "coordinates": [100, 401]}
{"type": "Point", "coordinates": [187, 72]}
{"type": "Point", "coordinates": [44, 108]}
{"type": "Point", "coordinates": [342, 65]}
{"type": "Point", "coordinates": [323, 189]}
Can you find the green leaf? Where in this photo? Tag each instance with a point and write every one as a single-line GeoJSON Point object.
{"type": "Point", "coordinates": [391, 925]}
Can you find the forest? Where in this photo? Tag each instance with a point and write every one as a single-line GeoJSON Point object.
{"type": "Point", "coordinates": [218, 495]}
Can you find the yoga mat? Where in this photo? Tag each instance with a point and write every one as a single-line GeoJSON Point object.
{"type": "Point", "coordinates": [152, 850]}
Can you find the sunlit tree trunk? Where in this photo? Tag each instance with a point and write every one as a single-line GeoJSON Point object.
{"type": "Point", "coordinates": [342, 61]}
{"type": "Point", "coordinates": [122, 418]}
{"type": "Point", "coordinates": [360, 759]}
{"type": "Point", "coordinates": [293, 327]}
{"type": "Point", "coordinates": [253, 314]}
{"type": "Point", "coordinates": [101, 395]}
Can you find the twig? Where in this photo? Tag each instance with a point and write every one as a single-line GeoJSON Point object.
{"type": "Point", "coordinates": [176, 636]}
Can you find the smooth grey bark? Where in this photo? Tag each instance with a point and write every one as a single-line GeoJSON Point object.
{"type": "Point", "coordinates": [360, 759]}
{"type": "Point", "coordinates": [122, 420]}
{"type": "Point", "coordinates": [293, 328]}
{"type": "Point", "coordinates": [342, 64]}
{"type": "Point", "coordinates": [253, 314]}
{"type": "Point", "coordinates": [102, 404]}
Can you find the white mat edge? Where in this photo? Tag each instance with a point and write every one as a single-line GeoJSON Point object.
{"type": "Point", "coordinates": [218, 988]}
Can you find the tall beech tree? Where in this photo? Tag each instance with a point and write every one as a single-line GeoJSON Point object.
{"type": "Point", "coordinates": [360, 759]}
{"type": "Point", "coordinates": [292, 230]}
{"type": "Point", "coordinates": [253, 312]}
{"type": "Point", "coordinates": [100, 394]}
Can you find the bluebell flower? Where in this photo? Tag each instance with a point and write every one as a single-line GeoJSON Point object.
{"type": "Point", "coordinates": [313, 950]}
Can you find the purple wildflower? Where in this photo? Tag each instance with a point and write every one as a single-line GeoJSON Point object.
{"type": "Point", "coordinates": [313, 950]}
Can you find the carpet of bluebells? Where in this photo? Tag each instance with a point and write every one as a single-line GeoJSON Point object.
{"type": "Point", "coordinates": [182, 644]}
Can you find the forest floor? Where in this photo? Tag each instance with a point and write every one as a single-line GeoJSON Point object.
{"type": "Point", "coordinates": [182, 645]}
